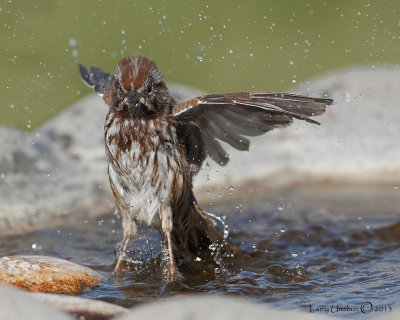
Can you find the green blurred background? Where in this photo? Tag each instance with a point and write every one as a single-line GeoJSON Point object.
{"type": "Point", "coordinates": [215, 46]}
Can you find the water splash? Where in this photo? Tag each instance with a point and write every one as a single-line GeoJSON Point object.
{"type": "Point", "coordinates": [222, 221]}
{"type": "Point", "coordinates": [301, 271]}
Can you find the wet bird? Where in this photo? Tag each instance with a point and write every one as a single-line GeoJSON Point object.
{"type": "Point", "coordinates": [155, 147]}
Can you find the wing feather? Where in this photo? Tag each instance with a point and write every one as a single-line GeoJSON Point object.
{"type": "Point", "coordinates": [99, 80]}
{"type": "Point", "coordinates": [214, 149]}
{"type": "Point", "coordinates": [202, 121]}
{"type": "Point", "coordinates": [225, 133]}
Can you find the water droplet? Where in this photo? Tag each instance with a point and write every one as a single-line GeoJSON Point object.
{"type": "Point", "coordinates": [36, 246]}
{"type": "Point", "coordinates": [347, 96]}
{"type": "Point", "coordinates": [281, 206]}
{"type": "Point", "coordinates": [226, 231]}
{"type": "Point", "coordinates": [100, 222]}
{"type": "Point", "coordinates": [291, 62]}
{"type": "Point", "coordinates": [396, 187]}
{"type": "Point", "coordinates": [231, 188]}
{"type": "Point", "coordinates": [2, 176]}
{"type": "Point", "coordinates": [368, 227]}
{"type": "Point", "coordinates": [72, 42]}
{"type": "Point", "coordinates": [200, 58]}
{"type": "Point", "coordinates": [294, 253]}
{"type": "Point", "coordinates": [12, 106]}
{"type": "Point", "coordinates": [197, 259]}
{"type": "Point", "coordinates": [48, 174]}
{"type": "Point", "coordinates": [283, 229]}
{"type": "Point", "coordinates": [122, 31]}
{"type": "Point", "coordinates": [230, 51]}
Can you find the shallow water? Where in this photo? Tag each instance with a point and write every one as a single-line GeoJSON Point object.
{"type": "Point", "coordinates": [307, 250]}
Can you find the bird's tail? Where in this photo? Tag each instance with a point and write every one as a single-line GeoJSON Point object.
{"type": "Point", "coordinates": [195, 234]}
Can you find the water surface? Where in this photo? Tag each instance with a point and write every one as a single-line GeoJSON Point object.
{"type": "Point", "coordinates": [305, 250]}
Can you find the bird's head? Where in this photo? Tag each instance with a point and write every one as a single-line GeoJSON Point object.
{"type": "Point", "coordinates": [139, 88]}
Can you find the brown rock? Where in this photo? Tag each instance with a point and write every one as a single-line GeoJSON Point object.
{"type": "Point", "coordinates": [46, 274]}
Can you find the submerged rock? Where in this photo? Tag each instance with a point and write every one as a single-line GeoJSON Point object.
{"type": "Point", "coordinates": [46, 274]}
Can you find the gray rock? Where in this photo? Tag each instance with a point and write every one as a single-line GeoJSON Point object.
{"type": "Point", "coordinates": [16, 304]}
{"type": "Point", "coordinates": [80, 307]}
{"type": "Point", "coordinates": [394, 314]}
{"type": "Point", "coordinates": [354, 146]}
{"type": "Point", "coordinates": [59, 172]}
{"type": "Point", "coordinates": [211, 308]}
{"type": "Point", "coordinates": [42, 183]}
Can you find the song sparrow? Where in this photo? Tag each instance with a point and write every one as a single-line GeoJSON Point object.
{"type": "Point", "coordinates": [155, 146]}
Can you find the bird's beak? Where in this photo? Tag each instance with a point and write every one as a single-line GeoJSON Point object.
{"type": "Point", "coordinates": [132, 97]}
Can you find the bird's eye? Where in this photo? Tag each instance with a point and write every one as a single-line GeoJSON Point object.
{"type": "Point", "coordinates": [131, 94]}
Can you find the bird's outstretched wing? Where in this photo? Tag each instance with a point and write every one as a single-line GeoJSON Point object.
{"type": "Point", "coordinates": [99, 80]}
{"type": "Point", "coordinates": [230, 117]}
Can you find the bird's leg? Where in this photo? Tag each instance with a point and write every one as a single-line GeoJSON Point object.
{"type": "Point", "coordinates": [166, 225]}
{"type": "Point", "coordinates": [129, 228]}
{"type": "Point", "coordinates": [122, 254]}
{"type": "Point", "coordinates": [171, 273]}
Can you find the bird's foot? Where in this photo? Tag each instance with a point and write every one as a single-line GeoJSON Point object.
{"type": "Point", "coordinates": [118, 267]}
{"type": "Point", "coordinates": [171, 272]}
